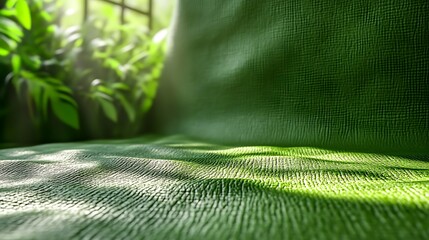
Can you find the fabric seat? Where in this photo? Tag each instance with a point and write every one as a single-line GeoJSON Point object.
{"type": "Point", "coordinates": [178, 188]}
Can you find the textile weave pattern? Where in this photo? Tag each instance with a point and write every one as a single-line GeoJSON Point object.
{"type": "Point", "coordinates": [339, 74]}
{"type": "Point", "coordinates": [178, 188]}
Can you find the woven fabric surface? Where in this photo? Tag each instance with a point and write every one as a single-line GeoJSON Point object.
{"type": "Point", "coordinates": [177, 188]}
{"type": "Point", "coordinates": [340, 74]}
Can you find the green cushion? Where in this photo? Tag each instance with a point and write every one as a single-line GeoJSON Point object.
{"type": "Point", "coordinates": [177, 188]}
{"type": "Point", "coordinates": [338, 74]}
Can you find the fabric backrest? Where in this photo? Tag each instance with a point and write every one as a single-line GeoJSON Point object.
{"type": "Point", "coordinates": [332, 73]}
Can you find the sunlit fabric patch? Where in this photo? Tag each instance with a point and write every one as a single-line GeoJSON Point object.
{"type": "Point", "coordinates": [177, 188]}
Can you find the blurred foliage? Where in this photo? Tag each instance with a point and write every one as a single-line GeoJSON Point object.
{"type": "Point", "coordinates": [162, 12]}
{"type": "Point", "coordinates": [97, 79]}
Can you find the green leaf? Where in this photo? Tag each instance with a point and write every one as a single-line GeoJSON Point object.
{"type": "Point", "coordinates": [4, 47]}
{"type": "Point", "coordinates": [52, 81]}
{"type": "Point", "coordinates": [108, 10]}
{"type": "Point", "coordinates": [145, 106]}
{"type": "Point", "coordinates": [127, 107]}
{"type": "Point", "coordinates": [11, 29]}
{"type": "Point", "coordinates": [8, 12]}
{"type": "Point", "coordinates": [23, 14]}
{"type": "Point", "coordinates": [16, 64]}
{"type": "Point", "coordinates": [33, 62]}
{"type": "Point", "coordinates": [101, 95]}
{"type": "Point", "coordinates": [150, 89]}
{"type": "Point", "coordinates": [36, 90]}
{"type": "Point", "coordinates": [66, 112]}
{"type": "Point", "coordinates": [39, 90]}
{"type": "Point", "coordinates": [105, 90]}
{"type": "Point", "coordinates": [64, 89]}
{"type": "Point", "coordinates": [120, 86]}
{"type": "Point", "coordinates": [68, 99]}
{"type": "Point", "coordinates": [44, 104]}
{"type": "Point", "coordinates": [3, 52]}
{"type": "Point", "coordinates": [17, 84]}
{"type": "Point", "coordinates": [108, 109]}
{"type": "Point", "coordinates": [7, 43]}
{"type": "Point", "coordinates": [51, 29]}
{"type": "Point", "coordinates": [112, 63]}
{"type": "Point", "coordinates": [46, 16]}
{"type": "Point", "coordinates": [139, 57]}
{"type": "Point", "coordinates": [10, 3]}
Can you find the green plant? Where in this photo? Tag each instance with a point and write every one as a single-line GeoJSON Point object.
{"type": "Point", "coordinates": [83, 75]}
{"type": "Point", "coordinates": [114, 69]}
{"type": "Point", "coordinates": [14, 15]}
{"type": "Point", "coordinates": [36, 74]}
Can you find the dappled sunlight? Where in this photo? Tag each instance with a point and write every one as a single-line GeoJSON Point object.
{"type": "Point", "coordinates": [304, 170]}
{"type": "Point", "coordinates": [20, 153]}
{"type": "Point", "coordinates": [34, 167]}
{"type": "Point", "coordinates": [155, 186]}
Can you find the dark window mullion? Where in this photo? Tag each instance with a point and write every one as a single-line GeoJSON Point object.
{"type": "Point", "coordinates": [149, 15]}
{"type": "Point", "coordinates": [123, 7]}
{"type": "Point", "coordinates": [123, 12]}
{"type": "Point", "coordinates": [85, 10]}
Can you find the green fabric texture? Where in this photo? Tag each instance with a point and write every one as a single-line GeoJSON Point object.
{"type": "Point", "coordinates": [333, 73]}
{"type": "Point", "coordinates": [289, 79]}
{"type": "Point", "coordinates": [178, 188]}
